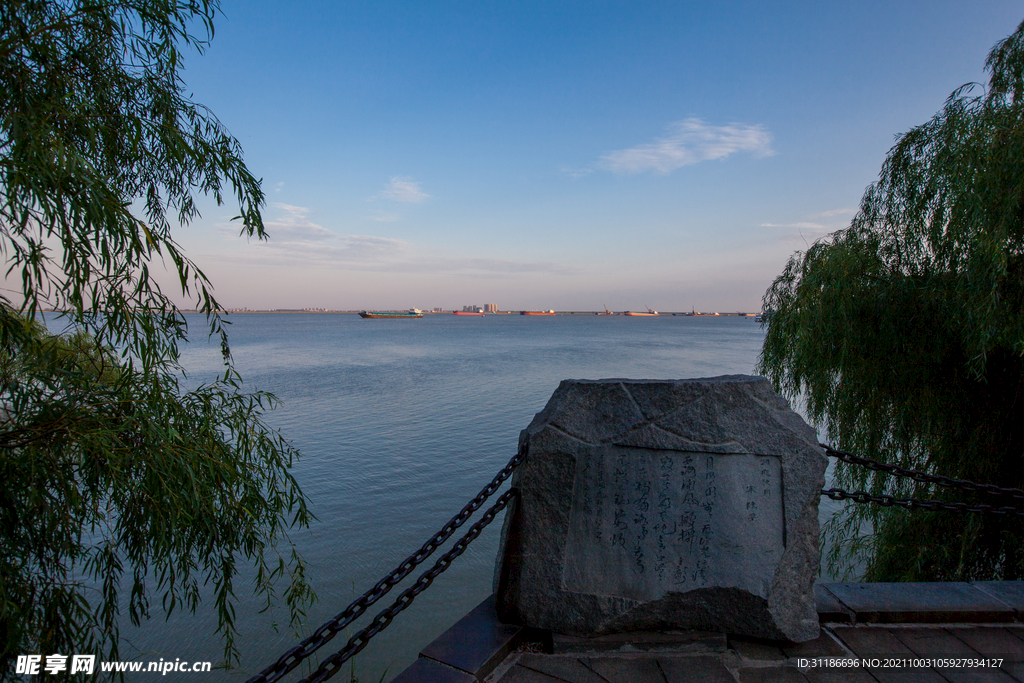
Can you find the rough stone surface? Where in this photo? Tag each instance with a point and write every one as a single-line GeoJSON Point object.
{"type": "Point", "coordinates": [664, 504]}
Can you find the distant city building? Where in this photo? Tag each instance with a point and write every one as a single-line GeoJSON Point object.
{"type": "Point", "coordinates": [472, 309]}
{"type": "Point", "coordinates": [438, 310]}
{"type": "Point", "coordinates": [490, 308]}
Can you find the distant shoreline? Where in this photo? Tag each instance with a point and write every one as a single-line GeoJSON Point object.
{"type": "Point", "coordinates": [739, 314]}
{"type": "Point", "coordinates": [665, 314]}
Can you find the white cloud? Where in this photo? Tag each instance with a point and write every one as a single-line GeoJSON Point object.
{"type": "Point", "coordinates": [351, 252]}
{"type": "Point", "coordinates": [404, 190]}
{"type": "Point", "coordinates": [294, 225]}
{"type": "Point", "coordinates": [690, 141]}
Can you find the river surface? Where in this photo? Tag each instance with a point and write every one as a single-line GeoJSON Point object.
{"type": "Point", "coordinates": [400, 423]}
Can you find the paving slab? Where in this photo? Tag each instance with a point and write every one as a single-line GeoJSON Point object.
{"type": "Point", "coordinates": [476, 643]}
{"type": "Point", "coordinates": [1015, 669]}
{"type": "Point", "coordinates": [697, 669]}
{"type": "Point", "coordinates": [941, 643]}
{"type": "Point", "coordinates": [521, 674]}
{"type": "Point", "coordinates": [830, 610]}
{"type": "Point", "coordinates": [822, 646]}
{"type": "Point", "coordinates": [625, 669]}
{"type": "Point", "coordinates": [428, 671]}
{"type": "Point", "coordinates": [879, 643]}
{"type": "Point", "coordinates": [775, 674]}
{"type": "Point", "coordinates": [947, 602]}
{"type": "Point", "coordinates": [838, 675]}
{"type": "Point", "coordinates": [932, 642]}
{"type": "Point", "coordinates": [757, 650]}
{"type": "Point", "coordinates": [871, 642]}
{"type": "Point", "coordinates": [1010, 593]}
{"type": "Point", "coordinates": [995, 643]}
{"type": "Point", "coordinates": [563, 668]}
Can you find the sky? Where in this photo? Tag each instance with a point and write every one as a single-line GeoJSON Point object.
{"type": "Point", "coordinates": [565, 155]}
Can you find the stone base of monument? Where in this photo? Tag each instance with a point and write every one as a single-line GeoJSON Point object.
{"type": "Point", "coordinates": [978, 620]}
{"type": "Point", "coordinates": [650, 505]}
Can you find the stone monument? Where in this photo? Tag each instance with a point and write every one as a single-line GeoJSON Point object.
{"type": "Point", "coordinates": [664, 505]}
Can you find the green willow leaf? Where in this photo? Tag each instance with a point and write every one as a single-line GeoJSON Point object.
{"type": "Point", "coordinates": [120, 484]}
{"type": "Point", "coordinates": [904, 336]}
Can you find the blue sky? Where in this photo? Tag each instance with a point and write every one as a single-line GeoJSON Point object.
{"type": "Point", "coordinates": [561, 155]}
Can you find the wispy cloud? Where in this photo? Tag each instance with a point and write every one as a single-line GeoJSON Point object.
{"type": "Point", "coordinates": [834, 212]}
{"type": "Point", "coordinates": [367, 253]}
{"type": "Point", "coordinates": [295, 240]}
{"type": "Point", "coordinates": [384, 217]}
{"type": "Point", "coordinates": [352, 252]}
{"type": "Point", "coordinates": [690, 141]}
{"type": "Point", "coordinates": [808, 231]}
{"type": "Point", "coordinates": [292, 224]}
{"type": "Point", "coordinates": [486, 267]}
{"type": "Point", "coordinates": [402, 189]}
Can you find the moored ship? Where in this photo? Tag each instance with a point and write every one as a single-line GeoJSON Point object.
{"type": "Point", "coordinates": [536, 312]}
{"type": "Point", "coordinates": [650, 313]}
{"type": "Point", "coordinates": [391, 314]}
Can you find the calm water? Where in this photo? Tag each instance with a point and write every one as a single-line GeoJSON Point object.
{"type": "Point", "coordinates": [400, 422]}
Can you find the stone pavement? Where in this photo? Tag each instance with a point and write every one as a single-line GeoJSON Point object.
{"type": "Point", "coordinates": [895, 653]}
{"type": "Point", "coordinates": [894, 633]}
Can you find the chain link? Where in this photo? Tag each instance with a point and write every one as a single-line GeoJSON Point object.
{"type": "Point", "coordinates": [295, 656]}
{"type": "Point", "coordinates": [915, 504]}
{"type": "Point", "coordinates": [923, 477]}
{"type": "Point", "coordinates": [332, 665]}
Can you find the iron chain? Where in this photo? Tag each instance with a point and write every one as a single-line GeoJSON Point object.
{"type": "Point", "coordinates": [923, 477]}
{"type": "Point", "coordinates": [333, 664]}
{"type": "Point", "coordinates": [915, 504]}
{"type": "Point", "coordinates": [295, 656]}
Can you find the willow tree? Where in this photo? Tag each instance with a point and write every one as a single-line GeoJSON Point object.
{"type": "Point", "coordinates": [904, 336]}
{"type": "Point", "coordinates": [121, 487]}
